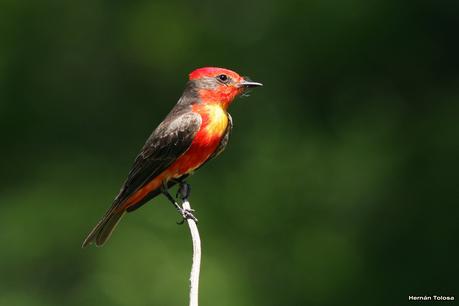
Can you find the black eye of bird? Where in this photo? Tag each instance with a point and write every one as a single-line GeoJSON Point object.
{"type": "Point", "coordinates": [223, 78]}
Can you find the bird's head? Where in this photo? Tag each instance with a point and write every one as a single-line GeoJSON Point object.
{"type": "Point", "coordinates": [219, 85]}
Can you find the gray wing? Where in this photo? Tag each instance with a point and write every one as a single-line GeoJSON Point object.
{"type": "Point", "coordinates": [166, 144]}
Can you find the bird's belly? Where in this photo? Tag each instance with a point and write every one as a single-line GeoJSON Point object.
{"type": "Point", "coordinates": [213, 128]}
{"type": "Point", "coordinates": [206, 141]}
{"type": "Point", "coordinates": [196, 155]}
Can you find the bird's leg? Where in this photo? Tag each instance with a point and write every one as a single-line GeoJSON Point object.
{"type": "Point", "coordinates": [183, 212]}
{"type": "Point", "coordinates": [183, 193]}
{"type": "Point", "coordinates": [169, 197]}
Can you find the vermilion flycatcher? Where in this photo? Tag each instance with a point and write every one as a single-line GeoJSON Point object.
{"type": "Point", "coordinates": [196, 130]}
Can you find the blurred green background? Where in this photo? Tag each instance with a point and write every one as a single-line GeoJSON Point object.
{"type": "Point", "coordinates": [339, 186]}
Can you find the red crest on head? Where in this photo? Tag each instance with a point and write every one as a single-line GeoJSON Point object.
{"type": "Point", "coordinates": [212, 72]}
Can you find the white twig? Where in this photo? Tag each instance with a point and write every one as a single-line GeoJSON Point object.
{"type": "Point", "coordinates": [196, 266]}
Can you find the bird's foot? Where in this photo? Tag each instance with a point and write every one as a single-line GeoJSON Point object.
{"type": "Point", "coordinates": [187, 214]}
{"type": "Point", "coordinates": [182, 194]}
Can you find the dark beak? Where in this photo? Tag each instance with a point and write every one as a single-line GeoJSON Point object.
{"type": "Point", "coordinates": [249, 84]}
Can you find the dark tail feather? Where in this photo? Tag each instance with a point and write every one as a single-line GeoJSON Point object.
{"type": "Point", "coordinates": [102, 231]}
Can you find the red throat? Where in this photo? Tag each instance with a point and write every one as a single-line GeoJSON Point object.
{"type": "Point", "coordinates": [223, 96]}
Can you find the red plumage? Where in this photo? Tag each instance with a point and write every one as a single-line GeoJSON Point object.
{"type": "Point", "coordinates": [196, 130]}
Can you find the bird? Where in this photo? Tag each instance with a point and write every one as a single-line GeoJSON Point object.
{"type": "Point", "coordinates": [196, 130]}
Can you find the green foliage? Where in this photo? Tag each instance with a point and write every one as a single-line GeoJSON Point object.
{"type": "Point", "coordinates": [338, 187]}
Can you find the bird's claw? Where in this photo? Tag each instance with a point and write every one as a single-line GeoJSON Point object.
{"type": "Point", "coordinates": [187, 214]}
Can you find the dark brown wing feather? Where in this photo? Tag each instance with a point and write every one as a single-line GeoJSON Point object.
{"type": "Point", "coordinates": [166, 144]}
{"type": "Point", "coordinates": [221, 147]}
{"type": "Point", "coordinates": [169, 141]}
